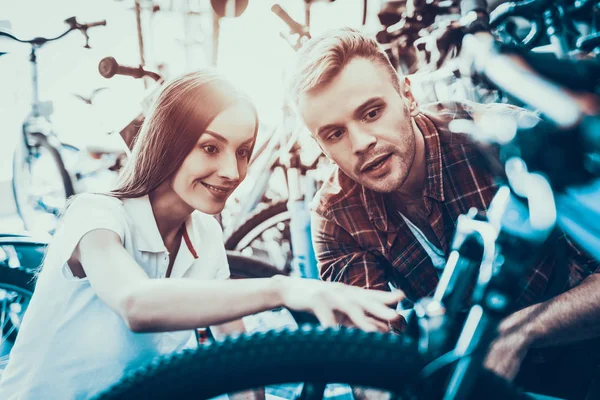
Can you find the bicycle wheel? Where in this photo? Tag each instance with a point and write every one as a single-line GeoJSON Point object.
{"type": "Point", "coordinates": [375, 360]}
{"type": "Point", "coordinates": [265, 235]}
{"type": "Point", "coordinates": [41, 183]}
{"type": "Point", "coordinates": [16, 289]}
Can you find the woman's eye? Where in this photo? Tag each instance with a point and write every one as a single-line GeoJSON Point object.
{"type": "Point", "coordinates": [210, 149]}
{"type": "Point", "coordinates": [371, 115]}
{"type": "Point", "coordinates": [243, 153]}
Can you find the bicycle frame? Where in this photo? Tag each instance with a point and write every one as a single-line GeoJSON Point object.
{"type": "Point", "coordinates": [283, 152]}
{"type": "Point", "coordinates": [261, 171]}
{"type": "Point", "coordinates": [494, 251]}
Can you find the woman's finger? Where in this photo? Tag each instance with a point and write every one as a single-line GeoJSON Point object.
{"type": "Point", "coordinates": [381, 325]}
{"type": "Point", "coordinates": [326, 316]}
{"type": "Point", "coordinates": [387, 297]}
{"type": "Point", "coordinates": [345, 321]}
{"type": "Point", "coordinates": [377, 310]}
{"type": "Point", "coordinates": [357, 317]}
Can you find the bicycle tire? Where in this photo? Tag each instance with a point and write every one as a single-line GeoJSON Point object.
{"type": "Point", "coordinates": [67, 183]}
{"type": "Point", "coordinates": [342, 355]}
{"type": "Point", "coordinates": [243, 267]}
{"type": "Point", "coordinates": [256, 220]}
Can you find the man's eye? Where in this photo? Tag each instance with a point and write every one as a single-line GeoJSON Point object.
{"type": "Point", "coordinates": [336, 135]}
{"type": "Point", "coordinates": [372, 115]}
{"type": "Point", "coordinates": [210, 149]}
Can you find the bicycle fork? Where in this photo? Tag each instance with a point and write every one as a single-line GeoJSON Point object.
{"type": "Point", "coordinates": [301, 190]}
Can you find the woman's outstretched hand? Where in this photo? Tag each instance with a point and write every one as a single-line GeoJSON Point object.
{"type": "Point", "coordinates": [336, 303]}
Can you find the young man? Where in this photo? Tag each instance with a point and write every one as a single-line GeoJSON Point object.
{"type": "Point", "coordinates": [388, 213]}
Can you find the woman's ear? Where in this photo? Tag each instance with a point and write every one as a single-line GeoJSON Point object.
{"type": "Point", "coordinates": [411, 102]}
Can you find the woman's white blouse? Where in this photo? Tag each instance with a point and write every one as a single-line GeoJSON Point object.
{"type": "Point", "coordinates": [71, 344]}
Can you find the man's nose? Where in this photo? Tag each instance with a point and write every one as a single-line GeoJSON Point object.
{"type": "Point", "coordinates": [362, 141]}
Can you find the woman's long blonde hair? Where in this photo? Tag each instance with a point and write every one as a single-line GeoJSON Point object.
{"type": "Point", "coordinates": [182, 111]}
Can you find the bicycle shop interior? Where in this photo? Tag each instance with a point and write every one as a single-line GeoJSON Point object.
{"type": "Point", "coordinates": [489, 269]}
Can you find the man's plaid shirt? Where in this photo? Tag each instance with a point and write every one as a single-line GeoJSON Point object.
{"type": "Point", "coordinates": [359, 240]}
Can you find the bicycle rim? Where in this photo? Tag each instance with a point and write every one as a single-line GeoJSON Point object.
{"type": "Point", "coordinates": [259, 229]}
{"type": "Point", "coordinates": [41, 185]}
{"type": "Point", "coordinates": [265, 235]}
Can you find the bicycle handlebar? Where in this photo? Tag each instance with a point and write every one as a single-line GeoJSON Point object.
{"type": "Point", "coordinates": [8, 35]}
{"type": "Point", "coordinates": [295, 27]}
{"type": "Point", "coordinates": [73, 25]}
{"type": "Point", "coordinates": [109, 67]}
{"type": "Point", "coordinates": [72, 22]}
{"type": "Point", "coordinates": [93, 24]}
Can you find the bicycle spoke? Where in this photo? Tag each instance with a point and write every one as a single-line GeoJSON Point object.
{"type": "Point", "coordinates": [3, 315]}
{"type": "Point", "coordinates": [7, 335]}
{"type": "Point", "coordinates": [10, 313]}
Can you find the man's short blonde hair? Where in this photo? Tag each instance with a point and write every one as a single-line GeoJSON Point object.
{"type": "Point", "coordinates": [323, 57]}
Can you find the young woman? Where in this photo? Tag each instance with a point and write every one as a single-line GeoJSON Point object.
{"type": "Point", "coordinates": [130, 274]}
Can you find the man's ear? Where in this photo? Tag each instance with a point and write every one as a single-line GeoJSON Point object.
{"type": "Point", "coordinates": [411, 102]}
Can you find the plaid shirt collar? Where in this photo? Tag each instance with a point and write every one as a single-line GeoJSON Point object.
{"type": "Point", "coordinates": [434, 185]}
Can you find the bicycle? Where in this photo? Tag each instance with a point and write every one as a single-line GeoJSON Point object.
{"type": "Point", "coordinates": [444, 359]}
{"type": "Point", "coordinates": [276, 227]}
{"type": "Point", "coordinates": [41, 155]}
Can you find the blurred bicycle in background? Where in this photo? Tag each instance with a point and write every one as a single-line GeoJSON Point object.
{"type": "Point", "coordinates": [45, 170]}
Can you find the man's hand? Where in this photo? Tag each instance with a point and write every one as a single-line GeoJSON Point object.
{"type": "Point", "coordinates": [507, 353]}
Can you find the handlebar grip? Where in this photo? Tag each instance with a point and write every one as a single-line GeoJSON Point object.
{"type": "Point", "coordinates": [109, 67]}
{"type": "Point", "coordinates": [92, 24]}
{"type": "Point", "coordinates": [294, 26]}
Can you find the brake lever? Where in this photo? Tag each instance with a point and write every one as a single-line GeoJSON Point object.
{"type": "Point", "coordinates": [87, 38]}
